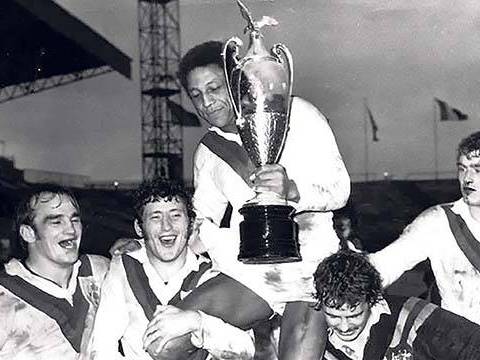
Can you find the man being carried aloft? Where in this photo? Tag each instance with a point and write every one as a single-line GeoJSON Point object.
{"type": "Point", "coordinates": [48, 299]}
{"type": "Point", "coordinates": [365, 324]}
{"type": "Point", "coordinates": [310, 176]}
{"type": "Point", "coordinates": [448, 235]}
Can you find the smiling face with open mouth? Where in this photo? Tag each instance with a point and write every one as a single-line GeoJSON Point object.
{"type": "Point", "coordinates": [56, 231]}
{"type": "Point", "coordinates": [165, 228]}
{"type": "Point", "coordinates": [347, 321]}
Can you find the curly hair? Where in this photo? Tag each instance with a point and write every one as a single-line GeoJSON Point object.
{"type": "Point", "coordinates": [25, 209]}
{"type": "Point", "coordinates": [160, 189]}
{"type": "Point", "coordinates": [204, 54]}
{"type": "Point", "coordinates": [469, 146]}
{"type": "Point", "coordinates": [347, 277]}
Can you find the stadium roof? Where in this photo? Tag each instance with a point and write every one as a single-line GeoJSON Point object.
{"type": "Point", "coordinates": [41, 40]}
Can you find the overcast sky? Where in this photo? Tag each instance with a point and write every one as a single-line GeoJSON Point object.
{"type": "Point", "coordinates": [398, 55]}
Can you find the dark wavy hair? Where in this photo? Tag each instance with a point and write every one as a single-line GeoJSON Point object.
{"type": "Point", "coordinates": [160, 189]}
{"type": "Point", "coordinates": [347, 277]}
{"type": "Point", "coordinates": [25, 209]}
{"type": "Point", "coordinates": [204, 54]}
{"type": "Point", "coordinates": [469, 146]}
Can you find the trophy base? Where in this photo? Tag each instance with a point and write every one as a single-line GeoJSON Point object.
{"type": "Point", "coordinates": [268, 235]}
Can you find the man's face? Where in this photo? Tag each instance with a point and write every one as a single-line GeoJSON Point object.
{"type": "Point", "coordinates": [165, 229]}
{"type": "Point", "coordinates": [468, 170]}
{"type": "Point", "coordinates": [348, 321]}
{"type": "Point", "coordinates": [209, 94]}
{"type": "Point", "coordinates": [56, 231]}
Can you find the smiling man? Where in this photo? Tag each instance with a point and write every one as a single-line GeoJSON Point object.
{"type": "Point", "coordinates": [448, 235]}
{"type": "Point", "coordinates": [48, 299]}
{"type": "Point", "coordinates": [310, 176]}
{"type": "Point", "coordinates": [145, 288]}
{"type": "Point", "coordinates": [363, 324]}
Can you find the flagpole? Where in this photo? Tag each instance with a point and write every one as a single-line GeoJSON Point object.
{"type": "Point", "coordinates": [365, 137]}
{"type": "Point", "coordinates": [435, 139]}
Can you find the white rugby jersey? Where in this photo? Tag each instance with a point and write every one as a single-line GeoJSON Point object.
{"type": "Point", "coordinates": [129, 296]}
{"type": "Point", "coordinates": [312, 160]}
{"type": "Point", "coordinates": [43, 321]}
{"type": "Point", "coordinates": [429, 236]}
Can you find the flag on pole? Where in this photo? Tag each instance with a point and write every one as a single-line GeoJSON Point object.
{"type": "Point", "coordinates": [448, 113]}
{"type": "Point", "coordinates": [372, 123]}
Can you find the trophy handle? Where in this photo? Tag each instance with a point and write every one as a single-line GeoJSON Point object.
{"type": "Point", "coordinates": [278, 50]}
{"type": "Point", "coordinates": [236, 44]}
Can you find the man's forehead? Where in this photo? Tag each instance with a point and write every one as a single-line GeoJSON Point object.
{"type": "Point", "coordinates": [48, 200]}
{"type": "Point", "coordinates": [166, 203]}
{"type": "Point", "coordinates": [345, 309]}
{"type": "Point", "coordinates": [471, 158]}
{"type": "Point", "coordinates": [204, 74]}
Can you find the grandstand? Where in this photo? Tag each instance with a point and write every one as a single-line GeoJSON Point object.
{"type": "Point", "coordinates": [383, 208]}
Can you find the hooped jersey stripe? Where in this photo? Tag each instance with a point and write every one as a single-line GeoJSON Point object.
{"type": "Point", "coordinates": [412, 316]}
{"type": "Point", "coordinates": [70, 318]}
{"type": "Point", "coordinates": [232, 153]}
{"type": "Point", "coordinates": [469, 245]}
{"type": "Point", "coordinates": [138, 282]}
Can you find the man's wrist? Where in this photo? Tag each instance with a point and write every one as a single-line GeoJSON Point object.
{"type": "Point", "coordinates": [196, 335]}
{"type": "Point", "coordinates": [293, 194]}
{"type": "Point", "coordinates": [196, 320]}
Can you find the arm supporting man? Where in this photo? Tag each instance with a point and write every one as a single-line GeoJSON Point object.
{"type": "Point", "coordinates": [221, 297]}
{"type": "Point", "coordinates": [221, 340]}
{"type": "Point", "coordinates": [304, 332]}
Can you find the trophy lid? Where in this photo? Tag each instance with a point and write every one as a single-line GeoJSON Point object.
{"type": "Point", "coordinates": [259, 86]}
{"type": "Point", "coordinates": [253, 28]}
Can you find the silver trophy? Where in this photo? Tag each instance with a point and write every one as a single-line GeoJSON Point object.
{"type": "Point", "coordinates": [260, 88]}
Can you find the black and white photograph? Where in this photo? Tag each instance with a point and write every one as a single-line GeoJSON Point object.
{"type": "Point", "coordinates": [239, 179]}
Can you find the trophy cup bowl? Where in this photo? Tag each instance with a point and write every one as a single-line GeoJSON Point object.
{"type": "Point", "coordinates": [260, 86]}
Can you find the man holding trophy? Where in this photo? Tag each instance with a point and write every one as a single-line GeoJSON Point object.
{"type": "Point", "coordinates": [305, 170]}
{"type": "Point", "coordinates": [274, 159]}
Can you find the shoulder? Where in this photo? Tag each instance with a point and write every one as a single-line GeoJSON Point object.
{"type": "Point", "coordinates": [431, 214]}
{"type": "Point", "coordinates": [10, 303]}
{"type": "Point", "coordinates": [116, 273]}
{"type": "Point", "coordinates": [117, 262]}
{"type": "Point", "coordinates": [202, 153]}
{"type": "Point", "coordinates": [7, 299]}
{"type": "Point", "coordinates": [304, 108]}
{"type": "Point", "coordinates": [99, 263]}
{"type": "Point", "coordinates": [428, 220]}
{"type": "Point", "coordinates": [306, 121]}
{"type": "Point", "coordinates": [394, 303]}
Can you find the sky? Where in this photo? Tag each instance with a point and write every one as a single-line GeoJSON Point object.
{"type": "Point", "coordinates": [396, 56]}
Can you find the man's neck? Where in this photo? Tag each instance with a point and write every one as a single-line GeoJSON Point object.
{"type": "Point", "coordinates": [167, 269]}
{"type": "Point", "coordinates": [475, 212]}
{"type": "Point", "coordinates": [58, 274]}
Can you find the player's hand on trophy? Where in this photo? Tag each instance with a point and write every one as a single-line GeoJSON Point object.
{"type": "Point", "coordinates": [274, 178]}
{"type": "Point", "coordinates": [169, 323]}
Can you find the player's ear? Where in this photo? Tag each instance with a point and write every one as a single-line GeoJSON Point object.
{"type": "Point", "coordinates": [138, 228]}
{"type": "Point", "coordinates": [27, 233]}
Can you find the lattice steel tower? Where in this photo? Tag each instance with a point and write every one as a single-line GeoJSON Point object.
{"type": "Point", "coordinates": [159, 41]}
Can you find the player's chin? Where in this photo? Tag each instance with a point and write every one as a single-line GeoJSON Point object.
{"type": "Point", "coordinates": [472, 199]}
